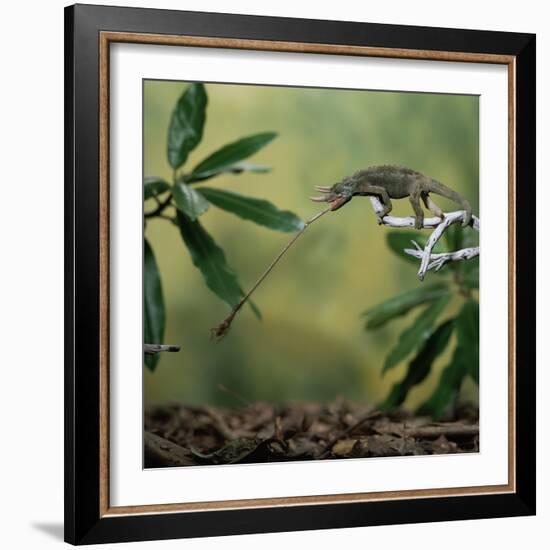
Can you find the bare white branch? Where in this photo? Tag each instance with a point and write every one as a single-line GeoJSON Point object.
{"type": "Point", "coordinates": [437, 261]}
{"type": "Point", "coordinates": [152, 349]}
{"type": "Point", "coordinates": [429, 261]}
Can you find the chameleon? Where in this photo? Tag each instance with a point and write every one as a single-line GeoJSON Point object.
{"type": "Point", "coordinates": [393, 182]}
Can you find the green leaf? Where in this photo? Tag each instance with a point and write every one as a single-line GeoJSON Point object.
{"type": "Point", "coordinates": [414, 337]}
{"type": "Point", "coordinates": [401, 304]}
{"type": "Point", "coordinates": [190, 202]}
{"type": "Point", "coordinates": [446, 391]}
{"type": "Point", "coordinates": [154, 314]}
{"type": "Point", "coordinates": [470, 237]}
{"type": "Point", "coordinates": [420, 366]}
{"type": "Point", "coordinates": [399, 240]}
{"type": "Point", "coordinates": [454, 237]}
{"type": "Point", "coordinates": [209, 258]}
{"type": "Point", "coordinates": [465, 361]}
{"type": "Point", "coordinates": [259, 211]}
{"type": "Point", "coordinates": [153, 186]}
{"type": "Point", "coordinates": [227, 157]}
{"type": "Point", "coordinates": [471, 273]}
{"type": "Point", "coordinates": [186, 124]}
{"type": "Point", "coordinates": [237, 168]}
{"type": "Point", "coordinates": [468, 338]}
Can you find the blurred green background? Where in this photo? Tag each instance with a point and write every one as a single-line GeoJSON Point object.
{"type": "Point", "coordinates": [311, 343]}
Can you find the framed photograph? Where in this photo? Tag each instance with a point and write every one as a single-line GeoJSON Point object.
{"type": "Point", "coordinates": [277, 313]}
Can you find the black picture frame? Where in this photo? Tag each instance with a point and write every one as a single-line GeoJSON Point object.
{"type": "Point", "coordinates": [84, 521]}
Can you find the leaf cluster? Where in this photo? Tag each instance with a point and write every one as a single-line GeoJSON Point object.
{"type": "Point", "coordinates": [188, 200]}
{"type": "Point", "coordinates": [427, 337]}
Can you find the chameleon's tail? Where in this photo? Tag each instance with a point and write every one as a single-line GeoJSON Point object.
{"type": "Point", "coordinates": [437, 187]}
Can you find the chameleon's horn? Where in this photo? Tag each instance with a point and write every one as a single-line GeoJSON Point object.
{"type": "Point", "coordinates": [323, 189]}
{"type": "Point", "coordinates": [319, 199]}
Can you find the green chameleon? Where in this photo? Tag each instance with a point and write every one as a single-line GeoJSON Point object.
{"type": "Point", "coordinates": [393, 182]}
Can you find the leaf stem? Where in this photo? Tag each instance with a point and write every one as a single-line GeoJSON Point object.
{"type": "Point", "coordinates": [169, 218]}
{"type": "Point", "coordinates": [160, 208]}
{"type": "Point", "coordinates": [166, 202]}
{"type": "Point", "coordinates": [223, 328]}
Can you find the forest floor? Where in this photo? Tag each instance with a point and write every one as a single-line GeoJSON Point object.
{"type": "Point", "coordinates": [182, 435]}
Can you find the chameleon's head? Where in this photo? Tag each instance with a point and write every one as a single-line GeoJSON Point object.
{"type": "Point", "coordinates": [337, 195]}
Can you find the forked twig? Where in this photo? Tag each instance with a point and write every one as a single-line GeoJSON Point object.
{"type": "Point", "coordinates": [438, 260]}
{"type": "Point", "coordinates": [429, 261]}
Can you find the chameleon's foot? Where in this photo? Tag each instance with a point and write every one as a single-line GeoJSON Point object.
{"type": "Point", "coordinates": [467, 219]}
{"type": "Point", "coordinates": [418, 223]}
{"type": "Point", "coordinates": [380, 220]}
